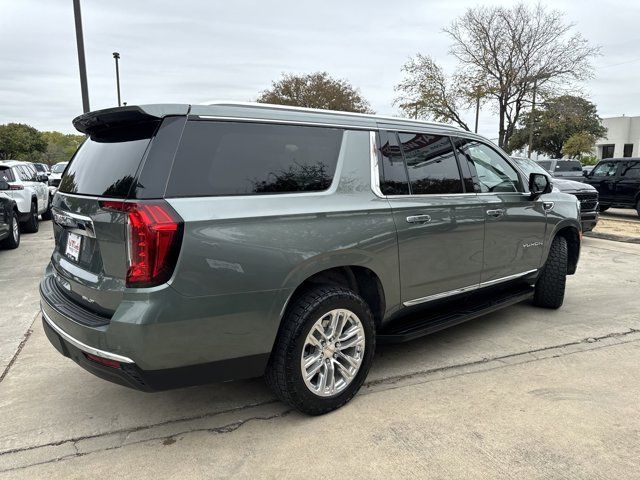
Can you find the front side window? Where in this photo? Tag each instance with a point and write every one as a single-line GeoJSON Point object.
{"type": "Point", "coordinates": [431, 164]}
{"type": "Point", "coordinates": [393, 173]}
{"type": "Point", "coordinates": [605, 169]}
{"type": "Point", "coordinates": [494, 173]}
{"type": "Point", "coordinates": [243, 158]}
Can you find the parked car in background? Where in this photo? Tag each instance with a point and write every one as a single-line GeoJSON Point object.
{"type": "Point", "coordinates": [41, 168]}
{"type": "Point", "coordinates": [29, 190]}
{"type": "Point", "coordinates": [618, 183]}
{"type": "Point", "coordinates": [9, 227]}
{"type": "Point", "coordinates": [563, 168]}
{"type": "Point", "coordinates": [586, 193]}
{"type": "Point", "coordinates": [199, 243]}
{"type": "Point", "coordinates": [54, 178]}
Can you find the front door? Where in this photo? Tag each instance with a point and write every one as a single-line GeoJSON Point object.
{"type": "Point", "coordinates": [440, 223]}
{"type": "Point", "coordinates": [515, 225]}
{"type": "Point", "coordinates": [603, 178]}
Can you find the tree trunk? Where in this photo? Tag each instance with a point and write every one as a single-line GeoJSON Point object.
{"type": "Point", "coordinates": [502, 113]}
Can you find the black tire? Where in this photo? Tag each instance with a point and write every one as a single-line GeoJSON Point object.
{"type": "Point", "coordinates": [638, 207]}
{"type": "Point", "coordinates": [47, 215]}
{"type": "Point", "coordinates": [603, 208]}
{"type": "Point", "coordinates": [284, 373]}
{"type": "Point", "coordinates": [31, 225]}
{"type": "Point", "coordinates": [13, 240]}
{"type": "Point", "coordinates": [549, 291]}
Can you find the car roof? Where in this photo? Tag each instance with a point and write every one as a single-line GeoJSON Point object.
{"type": "Point", "coordinates": [95, 121]}
{"type": "Point", "coordinates": [13, 163]}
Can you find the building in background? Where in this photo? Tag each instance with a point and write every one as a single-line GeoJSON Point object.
{"type": "Point", "coordinates": [622, 140]}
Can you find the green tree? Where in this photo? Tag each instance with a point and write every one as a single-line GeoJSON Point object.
{"type": "Point", "coordinates": [315, 90]}
{"type": "Point", "coordinates": [21, 142]}
{"type": "Point", "coordinates": [60, 146]}
{"type": "Point", "coordinates": [578, 144]}
{"type": "Point", "coordinates": [556, 122]}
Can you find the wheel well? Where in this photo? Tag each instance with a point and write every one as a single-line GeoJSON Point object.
{"type": "Point", "coordinates": [572, 236]}
{"type": "Point", "coordinates": [361, 280]}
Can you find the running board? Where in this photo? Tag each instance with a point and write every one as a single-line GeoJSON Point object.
{"type": "Point", "coordinates": [420, 324]}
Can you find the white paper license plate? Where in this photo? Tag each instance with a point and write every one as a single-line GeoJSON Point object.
{"type": "Point", "coordinates": [73, 246]}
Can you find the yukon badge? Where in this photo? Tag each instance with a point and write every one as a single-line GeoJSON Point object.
{"type": "Point", "coordinates": [532, 244]}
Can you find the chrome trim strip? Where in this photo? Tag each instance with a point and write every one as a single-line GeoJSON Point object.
{"type": "Point", "coordinates": [282, 122]}
{"type": "Point", "coordinates": [83, 346]}
{"type": "Point", "coordinates": [470, 288]}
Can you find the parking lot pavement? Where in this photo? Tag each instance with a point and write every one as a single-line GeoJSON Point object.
{"type": "Point", "coordinates": [524, 392]}
{"type": "Point", "coordinates": [20, 272]}
{"type": "Point", "coordinates": [626, 214]}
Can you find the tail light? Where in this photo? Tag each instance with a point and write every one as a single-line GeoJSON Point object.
{"type": "Point", "coordinates": [154, 236]}
{"type": "Point", "coordinates": [16, 187]}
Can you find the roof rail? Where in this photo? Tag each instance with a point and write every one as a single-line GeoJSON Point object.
{"type": "Point", "coordinates": [268, 106]}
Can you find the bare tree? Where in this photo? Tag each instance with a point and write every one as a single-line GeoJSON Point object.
{"type": "Point", "coordinates": [513, 51]}
{"type": "Point", "coordinates": [425, 92]}
{"type": "Point", "coordinates": [315, 90]}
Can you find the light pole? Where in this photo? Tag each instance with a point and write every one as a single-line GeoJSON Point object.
{"type": "Point", "coordinates": [116, 56]}
{"type": "Point", "coordinates": [81, 61]}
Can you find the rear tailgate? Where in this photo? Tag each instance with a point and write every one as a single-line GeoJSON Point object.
{"type": "Point", "coordinates": [90, 254]}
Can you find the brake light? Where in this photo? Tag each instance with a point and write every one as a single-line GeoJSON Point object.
{"type": "Point", "coordinates": [154, 236]}
{"type": "Point", "coordinates": [16, 187]}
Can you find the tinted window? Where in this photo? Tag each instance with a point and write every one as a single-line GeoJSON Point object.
{"type": "Point", "coordinates": [631, 170]}
{"type": "Point", "coordinates": [393, 174]}
{"type": "Point", "coordinates": [6, 174]}
{"type": "Point", "coordinates": [568, 166]}
{"type": "Point", "coordinates": [106, 166]}
{"type": "Point", "coordinates": [494, 173]}
{"type": "Point", "coordinates": [546, 164]}
{"type": "Point", "coordinates": [235, 158]}
{"type": "Point", "coordinates": [431, 164]}
{"type": "Point", "coordinates": [39, 167]}
{"type": "Point", "coordinates": [605, 169]}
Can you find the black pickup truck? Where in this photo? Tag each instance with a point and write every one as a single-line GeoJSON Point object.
{"type": "Point", "coordinates": [618, 182]}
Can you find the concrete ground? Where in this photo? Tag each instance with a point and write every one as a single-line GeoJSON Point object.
{"type": "Point", "coordinates": [627, 214]}
{"type": "Point", "coordinates": [521, 393]}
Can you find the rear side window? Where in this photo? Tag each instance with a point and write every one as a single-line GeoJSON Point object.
{"type": "Point", "coordinates": [431, 164]}
{"type": "Point", "coordinates": [546, 164]}
{"type": "Point", "coordinates": [236, 158]}
{"type": "Point", "coordinates": [106, 166]}
{"type": "Point", "coordinates": [393, 174]}
{"type": "Point", "coordinates": [6, 174]}
{"type": "Point", "coordinates": [631, 170]}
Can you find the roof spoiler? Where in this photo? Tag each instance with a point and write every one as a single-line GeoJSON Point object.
{"type": "Point", "coordinates": [94, 123]}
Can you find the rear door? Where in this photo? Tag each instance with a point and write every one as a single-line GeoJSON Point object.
{"type": "Point", "coordinates": [438, 216]}
{"type": "Point", "coordinates": [515, 225]}
{"type": "Point", "coordinates": [627, 186]}
{"type": "Point", "coordinates": [90, 254]}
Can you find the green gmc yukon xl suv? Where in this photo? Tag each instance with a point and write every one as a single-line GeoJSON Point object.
{"type": "Point", "coordinates": [199, 243]}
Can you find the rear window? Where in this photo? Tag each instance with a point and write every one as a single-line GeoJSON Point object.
{"type": "Point", "coordinates": [569, 166]}
{"type": "Point", "coordinates": [106, 166]}
{"type": "Point", "coordinates": [235, 158]}
{"type": "Point", "coordinates": [6, 175]}
{"type": "Point", "coordinates": [545, 164]}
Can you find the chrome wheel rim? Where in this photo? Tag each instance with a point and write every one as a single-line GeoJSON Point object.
{"type": "Point", "coordinates": [16, 230]}
{"type": "Point", "coordinates": [333, 352]}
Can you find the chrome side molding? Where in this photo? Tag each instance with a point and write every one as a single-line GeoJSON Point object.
{"type": "Point", "coordinates": [469, 288]}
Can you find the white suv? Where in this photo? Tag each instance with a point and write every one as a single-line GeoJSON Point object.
{"type": "Point", "coordinates": [29, 190]}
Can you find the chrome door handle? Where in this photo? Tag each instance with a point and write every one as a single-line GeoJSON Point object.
{"type": "Point", "coordinates": [498, 212]}
{"type": "Point", "coordinates": [419, 218]}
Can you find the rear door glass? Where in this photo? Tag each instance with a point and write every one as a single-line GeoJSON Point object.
{"type": "Point", "coordinates": [236, 158]}
{"type": "Point", "coordinates": [431, 164]}
{"type": "Point", "coordinates": [106, 166]}
{"type": "Point", "coordinates": [568, 166]}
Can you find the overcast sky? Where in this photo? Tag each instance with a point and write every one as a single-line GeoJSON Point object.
{"type": "Point", "coordinates": [192, 51]}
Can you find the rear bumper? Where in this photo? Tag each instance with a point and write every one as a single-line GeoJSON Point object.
{"type": "Point", "coordinates": [128, 374]}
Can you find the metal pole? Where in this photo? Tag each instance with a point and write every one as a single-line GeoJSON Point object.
{"type": "Point", "coordinates": [477, 111]}
{"type": "Point", "coordinates": [81, 61]}
{"type": "Point", "coordinates": [116, 55]}
{"type": "Point", "coordinates": [532, 121]}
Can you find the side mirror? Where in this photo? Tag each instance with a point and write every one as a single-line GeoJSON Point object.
{"type": "Point", "coordinates": [4, 185]}
{"type": "Point", "coordinates": [539, 184]}
{"type": "Point", "coordinates": [41, 177]}
{"type": "Point", "coordinates": [585, 173]}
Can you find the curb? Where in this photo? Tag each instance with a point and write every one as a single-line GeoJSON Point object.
{"type": "Point", "coordinates": [613, 237]}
